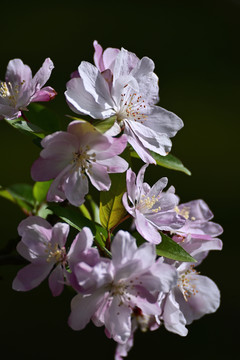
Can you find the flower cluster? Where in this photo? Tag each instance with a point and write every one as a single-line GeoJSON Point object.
{"type": "Point", "coordinates": [126, 281]}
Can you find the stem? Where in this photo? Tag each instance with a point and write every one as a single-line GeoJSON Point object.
{"type": "Point", "coordinates": [120, 221]}
{"type": "Point", "coordinates": [24, 116]}
{"type": "Point", "coordinates": [108, 241]}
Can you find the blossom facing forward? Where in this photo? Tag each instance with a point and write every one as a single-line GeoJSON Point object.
{"type": "Point", "coordinates": [151, 208]}
{"type": "Point", "coordinates": [71, 157]}
{"type": "Point", "coordinates": [43, 246]}
{"type": "Point", "coordinates": [123, 85]}
{"type": "Point", "coordinates": [20, 89]}
{"type": "Point", "coordinates": [114, 288]}
{"type": "Point", "coordinates": [194, 296]}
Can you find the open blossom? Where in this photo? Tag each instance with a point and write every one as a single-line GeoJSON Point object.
{"type": "Point", "coordinates": [195, 295]}
{"type": "Point", "coordinates": [71, 157]}
{"type": "Point", "coordinates": [20, 88]}
{"type": "Point", "coordinates": [151, 208]}
{"type": "Point", "coordinates": [122, 85]}
{"type": "Point", "coordinates": [198, 224]}
{"type": "Point", "coordinates": [43, 246]}
{"type": "Point", "coordinates": [114, 288]}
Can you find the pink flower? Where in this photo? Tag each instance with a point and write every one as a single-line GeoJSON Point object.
{"type": "Point", "coordinates": [70, 157]}
{"type": "Point", "coordinates": [198, 234]}
{"type": "Point", "coordinates": [104, 60]}
{"type": "Point", "coordinates": [120, 84]}
{"type": "Point", "coordinates": [113, 288]}
{"type": "Point", "coordinates": [195, 295]}
{"type": "Point", "coordinates": [151, 208]}
{"type": "Point", "coordinates": [20, 89]}
{"type": "Point", "coordinates": [43, 246]}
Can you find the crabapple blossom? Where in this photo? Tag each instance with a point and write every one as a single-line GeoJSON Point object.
{"type": "Point", "coordinates": [20, 89]}
{"type": "Point", "coordinates": [72, 156]}
{"type": "Point", "coordinates": [198, 224]}
{"type": "Point", "coordinates": [114, 288]}
{"type": "Point", "coordinates": [128, 89]}
{"type": "Point", "coordinates": [198, 234]}
{"type": "Point", "coordinates": [151, 208]}
{"type": "Point", "coordinates": [195, 295]}
{"type": "Point", "coordinates": [44, 246]}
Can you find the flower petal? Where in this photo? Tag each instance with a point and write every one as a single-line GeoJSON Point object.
{"type": "Point", "coordinates": [56, 280]}
{"type": "Point", "coordinates": [174, 320]}
{"type": "Point", "coordinates": [146, 229]}
{"type": "Point", "coordinates": [45, 94]}
{"type": "Point", "coordinates": [43, 74]}
{"type": "Point", "coordinates": [83, 308]}
{"type": "Point", "coordinates": [60, 233]}
{"type": "Point", "coordinates": [151, 139]}
{"type": "Point", "coordinates": [137, 145]}
{"type": "Point", "coordinates": [82, 102]}
{"type": "Point", "coordinates": [164, 121]}
{"type": "Point", "coordinates": [118, 320]}
{"type": "Point", "coordinates": [123, 248]}
{"type": "Point", "coordinates": [99, 177]}
{"type": "Point", "coordinates": [31, 276]}
{"type": "Point", "coordinates": [76, 187]}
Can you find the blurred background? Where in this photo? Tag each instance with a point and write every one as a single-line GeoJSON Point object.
{"type": "Point", "coordinates": [195, 46]}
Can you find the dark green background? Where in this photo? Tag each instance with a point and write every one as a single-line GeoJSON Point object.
{"type": "Point", "coordinates": [195, 46]}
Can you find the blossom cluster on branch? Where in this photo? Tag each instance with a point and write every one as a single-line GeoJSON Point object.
{"type": "Point", "coordinates": [126, 281]}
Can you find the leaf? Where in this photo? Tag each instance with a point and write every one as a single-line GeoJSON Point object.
{"type": "Point", "coordinates": [104, 125]}
{"type": "Point", "coordinates": [44, 118]}
{"type": "Point", "coordinates": [40, 190]}
{"type": "Point", "coordinates": [170, 249]}
{"type": "Point", "coordinates": [22, 191]}
{"type": "Point", "coordinates": [169, 161]}
{"type": "Point", "coordinates": [27, 128]}
{"type": "Point", "coordinates": [20, 194]}
{"type": "Point", "coordinates": [43, 211]}
{"type": "Point", "coordinates": [111, 208]}
{"type": "Point", "coordinates": [101, 125]}
{"type": "Point", "coordinates": [74, 218]}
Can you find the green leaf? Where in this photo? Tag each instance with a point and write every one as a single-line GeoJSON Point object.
{"type": "Point", "coordinates": [170, 249]}
{"type": "Point", "coordinates": [27, 128]}
{"type": "Point", "coordinates": [40, 190]}
{"type": "Point", "coordinates": [44, 118]}
{"type": "Point", "coordinates": [20, 194]}
{"type": "Point", "coordinates": [169, 161]}
{"type": "Point", "coordinates": [22, 191]}
{"type": "Point", "coordinates": [74, 218]}
{"type": "Point", "coordinates": [111, 208]}
{"type": "Point", "coordinates": [101, 125]}
{"type": "Point", "coordinates": [104, 125]}
{"type": "Point", "coordinates": [43, 211]}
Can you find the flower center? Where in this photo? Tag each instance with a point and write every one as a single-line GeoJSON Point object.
{"type": "Point", "coordinates": [185, 283]}
{"type": "Point", "coordinates": [82, 159]}
{"type": "Point", "coordinates": [9, 92]}
{"type": "Point", "coordinates": [131, 107]}
{"type": "Point", "coordinates": [55, 253]}
{"type": "Point", "coordinates": [147, 204]}
{"type": "Point", "coordinates": [119, 288]}
{"type": "Point", "coordinates": [185, 211]}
